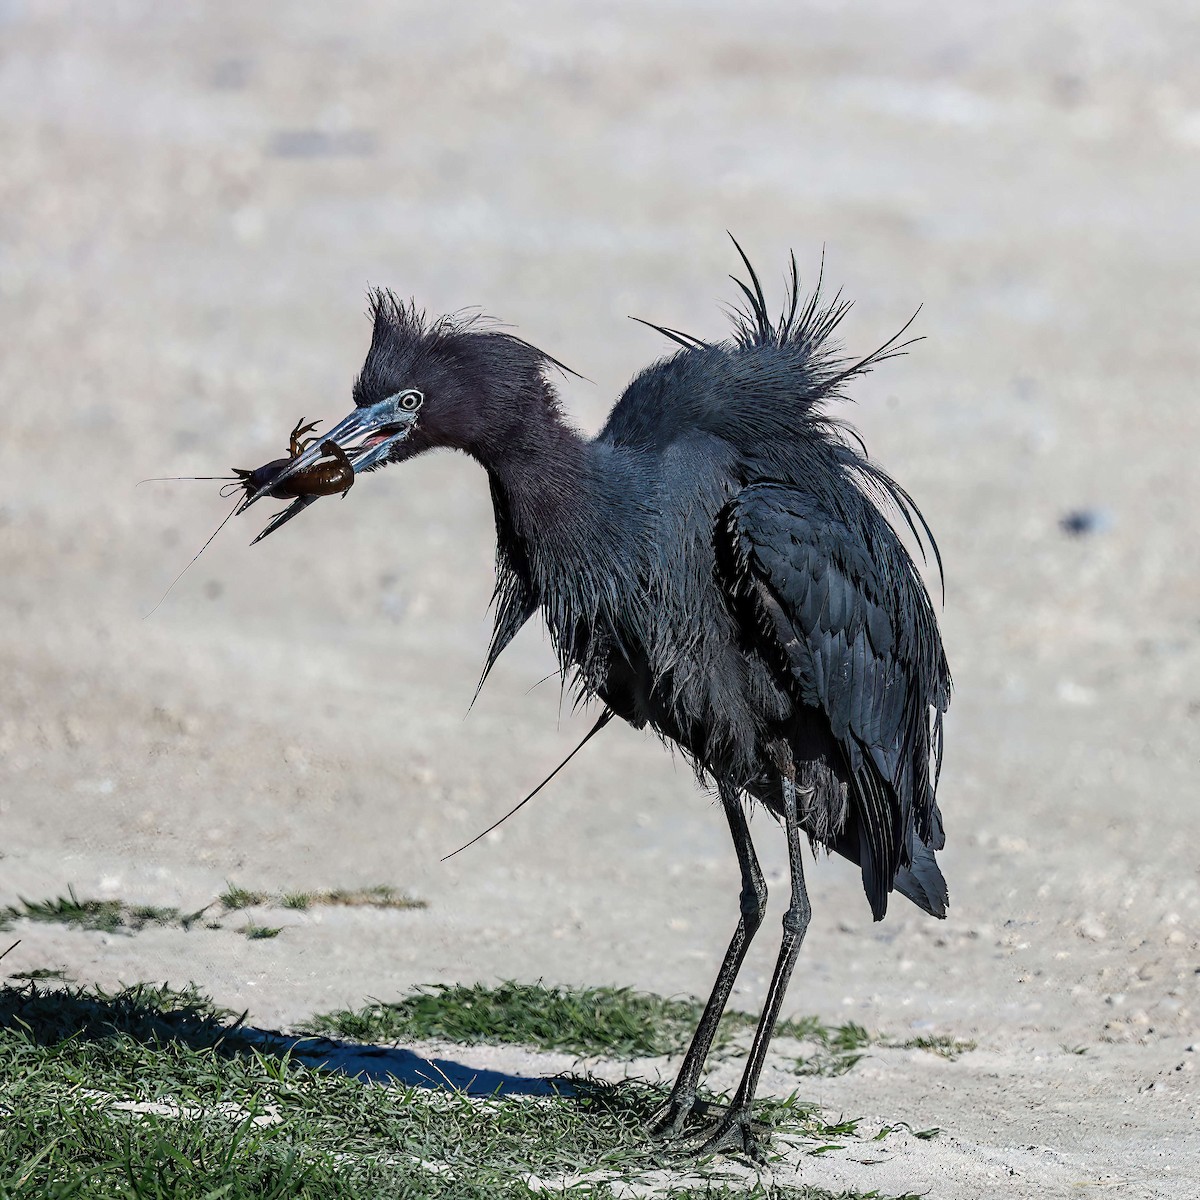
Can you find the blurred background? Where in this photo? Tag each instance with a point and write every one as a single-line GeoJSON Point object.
{"type": "Point", "coordinates": [194, 200]}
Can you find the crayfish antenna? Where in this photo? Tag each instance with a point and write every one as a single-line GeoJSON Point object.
{"type": "Point", "coordinates": [195, 556]}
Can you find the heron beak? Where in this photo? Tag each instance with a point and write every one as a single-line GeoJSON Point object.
{"type": "Point", "coordinates": [366, 436]}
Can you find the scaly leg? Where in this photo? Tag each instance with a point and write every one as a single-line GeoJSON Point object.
{"type": "Point", "coordinates": [668, 1122]}
{"type": "Point", "coordinates": [733, 1131]}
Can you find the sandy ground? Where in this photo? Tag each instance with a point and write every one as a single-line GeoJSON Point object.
{"type": "Point", "coordinates": [193, 200]}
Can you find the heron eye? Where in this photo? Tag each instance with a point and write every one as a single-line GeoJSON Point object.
{"type": "Point", "coordinates": [410, 401]}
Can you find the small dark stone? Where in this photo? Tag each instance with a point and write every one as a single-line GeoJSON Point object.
{"type": "Point", "coordinates": [1080, 522]}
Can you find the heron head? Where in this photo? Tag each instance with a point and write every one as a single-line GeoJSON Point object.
{"type": "Point", "coordinates": [451, 382]}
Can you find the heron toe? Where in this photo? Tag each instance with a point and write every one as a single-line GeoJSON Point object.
{"type": "Point", "coordinates": [667, 1124]}
{"type": "Point", "coordinates": [733, 1134]}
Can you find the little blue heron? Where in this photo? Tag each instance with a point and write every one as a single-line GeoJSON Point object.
{"type": "Point", "coordinates": [715, 565]}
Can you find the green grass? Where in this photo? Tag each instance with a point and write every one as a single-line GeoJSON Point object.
{"type": "Point", "coordinates": [925, 1135]}
{"type": "Point", "coordinates": [257, 933]}
{"type": "Point", "coordinates": [43, 974]}
{"type": "Point", "coordinates": [839, 1047]}
{"type": "Point", "coordinates": [155, 1094]}
{"type": "Point", "coordinates": [116, 916]}
{"type": "Point", "coordinates": [144, 1013]}
{"type": "Point", "coordinates": [942, 1045]}
{"type": "Point", "coordinates": [381, 896]}
{"type": "Point", "coordinates": [234, 898]}
{"type": "Point", "coordinates": [106, 916]}
{"type": "Point", "coordinates": [616, 1022]}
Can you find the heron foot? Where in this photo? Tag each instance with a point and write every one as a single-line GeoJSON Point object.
{"type": "Point", "coordinates": [733, 1134]}
{"type": "Point", "coordinates": [667, 1123]}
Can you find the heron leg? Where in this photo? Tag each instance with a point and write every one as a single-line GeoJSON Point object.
{"type": "Point", "coordinates": [734, 1131]}
{"type": "Point", "coordinates": [668, 1122]}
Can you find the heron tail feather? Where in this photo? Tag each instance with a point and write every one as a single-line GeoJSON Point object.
{"type": "Point", "coordinates": [923, 882]}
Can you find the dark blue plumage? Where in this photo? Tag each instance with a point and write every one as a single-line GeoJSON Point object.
{"type": "Point", "coordinates": [716, 566]}
{"type": "Point", "coordinates": [723, 457]}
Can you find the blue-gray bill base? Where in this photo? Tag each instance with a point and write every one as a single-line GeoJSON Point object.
{"type": "Point", "coordinates": [715, 565]}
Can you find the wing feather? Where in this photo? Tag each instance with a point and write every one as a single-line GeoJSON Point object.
{"type": "Point", "coordinates": [848, 636]}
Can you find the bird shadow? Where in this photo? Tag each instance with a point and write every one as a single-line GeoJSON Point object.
{"type": "Point", "coordinates": [161, 1017]}
{"type": "Point", "coordinates": [158, 1016]}
{"type": "Point", "coordinates": [397, 1066]}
